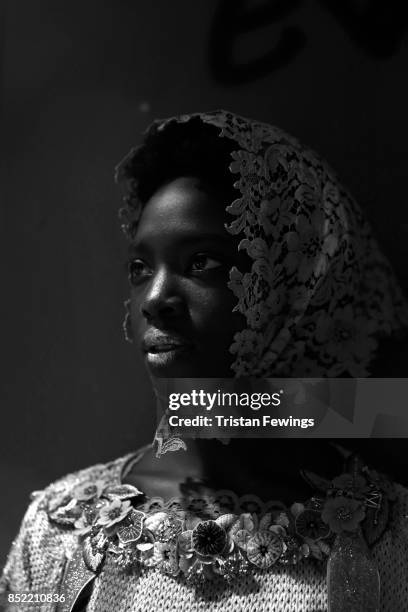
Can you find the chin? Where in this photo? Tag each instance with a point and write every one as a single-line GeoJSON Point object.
{"type": "Point", "coordinates": [179, 364]}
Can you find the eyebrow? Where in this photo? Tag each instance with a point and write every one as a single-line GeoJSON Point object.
{"type": "Point", "coordinates": [187, 240]}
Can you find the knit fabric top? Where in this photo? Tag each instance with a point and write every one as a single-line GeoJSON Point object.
{"type": "Point", "coordinates": [47, 557]}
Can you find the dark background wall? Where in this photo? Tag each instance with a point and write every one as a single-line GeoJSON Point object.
{"type": "Point", "coordinates": [81, 80]}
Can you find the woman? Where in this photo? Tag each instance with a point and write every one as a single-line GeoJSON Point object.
{"type": "Point", "coordinates": [266, 270]}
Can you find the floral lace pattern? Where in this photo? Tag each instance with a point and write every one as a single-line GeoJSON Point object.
{"type": "Point", "coordinates": [204, 537]}
{"type": "Point", "coordinates": [320, 293]}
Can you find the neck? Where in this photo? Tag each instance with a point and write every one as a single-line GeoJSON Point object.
{"type": "Point", "coordinates": [267, 468]}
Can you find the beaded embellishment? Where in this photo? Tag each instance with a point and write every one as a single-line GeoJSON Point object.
{"type": "Point", "coordinates": [220, 535]}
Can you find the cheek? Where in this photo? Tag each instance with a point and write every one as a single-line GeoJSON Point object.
{"type": "Point", "coordinates": [211, 312]}
{"type": "Point", "coordinates": [136, 316]}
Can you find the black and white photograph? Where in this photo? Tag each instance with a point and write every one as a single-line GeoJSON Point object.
{"type": "Point", "coordinates": [204, 382]}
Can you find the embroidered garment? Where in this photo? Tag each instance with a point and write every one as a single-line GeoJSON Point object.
{"type": "Point", "coordinates": [50, 555]}
{"type": "Point", "coordinates": [320, 293]}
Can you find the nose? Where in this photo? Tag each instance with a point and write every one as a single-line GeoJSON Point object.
{"type": "Point", "coordinates": [162, 300]}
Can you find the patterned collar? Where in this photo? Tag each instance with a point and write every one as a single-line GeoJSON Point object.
{"type": "Point", "coordinates": [202, 537]}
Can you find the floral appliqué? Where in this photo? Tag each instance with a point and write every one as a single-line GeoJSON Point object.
{"type": "Point", "coordinates": [117, 520]}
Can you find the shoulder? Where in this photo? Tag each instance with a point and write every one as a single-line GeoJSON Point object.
{"type": "Point", "coordinates": [62, 489]}
{"type": "Point", "coordinates": [47, 535]}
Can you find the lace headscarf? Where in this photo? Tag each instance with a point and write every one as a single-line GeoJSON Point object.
{"type": "Point", "coordinates": [320, 294]}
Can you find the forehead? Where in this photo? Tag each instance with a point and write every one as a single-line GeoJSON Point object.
{"type": "Point", "coordinates": [182, 207]}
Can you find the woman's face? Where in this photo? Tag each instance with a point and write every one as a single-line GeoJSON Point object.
{"type": "Point", "coordinates": [181, 307]}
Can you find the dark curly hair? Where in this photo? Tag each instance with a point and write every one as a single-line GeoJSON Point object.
{"type": "Point", "coordinates": [183, 149]}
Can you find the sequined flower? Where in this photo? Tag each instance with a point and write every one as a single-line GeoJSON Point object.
{"type": "Point", "coordinates": [243, 529]}
{"type": "Point", "coordinates": [185, 543]}
{"type": "Point", "coordinates": [264, 549]}
{"type": "Point", "coordinates": [88, 491]}
{"type": "Point", "coordinates": [165, 557]}
{"type": "Point", "coordinates": [130, 528]}
{"type": "Point", "coordinates": [241, 538]}
{"type": "Point", "coordinates": [309, 524]}
{"type": "Point", "coordinates": [164, 526]}
{"type": "Point", "coordinates": [113, 513]}
{"type": "Point", "coordinates": [343, 513]}
{"type": "Point", "coordinates": [208, 538]}
{"type": "Point", "coordinates": [155, 519]}
{"type": "Point", "coordinates": [146, 549]}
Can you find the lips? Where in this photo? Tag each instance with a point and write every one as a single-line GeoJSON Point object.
{"type": "Point", "coordinates": [155, 341]}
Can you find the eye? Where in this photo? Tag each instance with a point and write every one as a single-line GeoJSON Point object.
{"type": "Point", "coordinates": [137, 271]}
{"type": "Point", "coordinates": [202, 262]}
